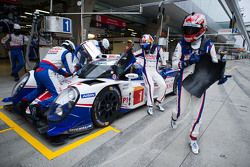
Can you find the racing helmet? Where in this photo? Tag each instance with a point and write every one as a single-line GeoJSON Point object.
{"type": "Point", "coordinates": [146, 41]}
{"type": "Point", "coordinates": [194, 27]}
{"type": "Point", "coordinates": [105, 43]}
{"type": "Point", "coordinates": [69, 45]}
{"type": "Point", "coordinates": [17, 29]}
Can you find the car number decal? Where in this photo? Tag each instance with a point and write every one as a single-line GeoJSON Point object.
{"type": "Point", "coordinates": [138, 94]}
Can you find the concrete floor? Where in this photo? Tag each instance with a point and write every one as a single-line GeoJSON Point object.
{"type": "Point", "coordinates": [149, 141]}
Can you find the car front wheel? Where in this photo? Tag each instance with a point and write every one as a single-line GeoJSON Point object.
{"type": "Point", "coordinates": [106, 106]}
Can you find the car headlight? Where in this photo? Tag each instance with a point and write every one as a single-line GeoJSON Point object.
{"type": "Point", "coordinates": [20, 84]}
{"type": "Point", "coordinates": [63, 104]}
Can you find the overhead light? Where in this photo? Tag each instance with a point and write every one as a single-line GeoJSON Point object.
{"type": "Point", "coordinates": [132, 35]}
{"type": "Point", "coordinates": [42, 11]}
{"type": "Point", "coordinates": [28, 25]}
{"type": "Point", "coordinates": [91, 36]}
{"type": "Point", "coordinates": [25, 17]}
{"type": "Point", "coordinates": [28, 13]}
{"type": "Point", "coordinates": [134, 32]}
{"type": "Point", "coordinates": [130, 29]}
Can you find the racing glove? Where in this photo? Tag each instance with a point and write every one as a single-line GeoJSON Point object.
{"type": "Point", "coordinates": [78, 66]}
{"type": "Point", "coordinates": [183, 64]}
{"type": "Point", "coordinates": [194, 58]}
{"type": "Point", "coordinates": [67, 75]}
{"type": "Point", "coordinates": [224, 79]}
{"type": "Point", "coordinates": [64, 73]}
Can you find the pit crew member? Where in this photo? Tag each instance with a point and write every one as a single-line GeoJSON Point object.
{"type": "Point", "coordinates": [46, 75]}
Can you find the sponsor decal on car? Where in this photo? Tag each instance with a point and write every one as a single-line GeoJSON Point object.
{"type": "Point", "coordinates": [125, 100]}
{"type": "Point", "coordinates": [88, 95]}
{"type": "Point", "coordinates": [80, 129]}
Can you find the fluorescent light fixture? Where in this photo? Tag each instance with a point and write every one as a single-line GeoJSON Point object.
{"type": "Point", "coordinates": [132, 35]}
{"type": "Point", "coordinates": [28, 25]}
{"type": "Point", "coordinates": [24, 17]}
{"type": "Point", "coordinates": [42, 11]}
{"type": "Point", "coordinates": [134, 32]}
{"type": "Point", "coordinates": [91, 36]}
{"type": "Point", "coordinates": [130, 29]}
{"type": "Point", "coordinates": [28, 13]}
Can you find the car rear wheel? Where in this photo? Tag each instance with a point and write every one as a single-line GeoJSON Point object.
{"type": "Point", "coordinates": [106, 106]}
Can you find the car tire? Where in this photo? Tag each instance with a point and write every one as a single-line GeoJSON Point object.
{"type": "Point", "coordinates": [106, 106]}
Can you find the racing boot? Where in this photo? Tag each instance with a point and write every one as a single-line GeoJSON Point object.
{"type": "Point", "coordinates": [34, 111]}
{"type": "Point", "coordinates": [159, 106]}
{"type": "Point", "coordinates": [21, 106]}
{"type": "Point", "coordinates": [194, 146]}
{"type": "Point", "coordinates": [150, 110]}
{"type": "Point", "coordinates": [173, 123]}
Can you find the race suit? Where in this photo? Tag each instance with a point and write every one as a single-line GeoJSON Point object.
{"type": "Point", "coordinates": [46, 74]}
{"type": "Point", "coordinates": [150, 73]}
{"type": "Point", "coordinates": [185, 100]}
{"type": "Point", "coordinates": [16, 43]}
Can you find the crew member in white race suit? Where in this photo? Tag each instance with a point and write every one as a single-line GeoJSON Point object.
{"type": "Point", "coordinates": [150, 54]}
{"type": "Point", "coordinates": [15, 41]}
{"type": "Point", "coordinates": [46, 74]}
{"type": "Point", "coordinates": [185, 57]}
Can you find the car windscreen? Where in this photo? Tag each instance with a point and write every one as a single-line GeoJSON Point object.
{"type": "Point", "coordinates": [96, 71]}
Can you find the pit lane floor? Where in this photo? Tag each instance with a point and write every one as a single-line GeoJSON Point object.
{"type": "Point", "coordinates": [148, 140]}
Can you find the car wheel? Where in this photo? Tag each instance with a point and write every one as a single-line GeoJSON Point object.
{"type": "Point", "coordinates": [106, 106]}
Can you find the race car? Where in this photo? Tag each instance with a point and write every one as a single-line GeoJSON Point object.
{"type": "Point", "coordinates": [96, 96]}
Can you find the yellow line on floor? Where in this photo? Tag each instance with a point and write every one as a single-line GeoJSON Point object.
{"type": "Point", "coordinates": [1, 107]}
{"type": "Point", "coordinates": [5, 130]}
{"type": "Point", "coordinates": [49, 154]}
{"type": "Point", "coordinates": [26, 136]}
{"type": "Point", "coordinates": [81, 141]}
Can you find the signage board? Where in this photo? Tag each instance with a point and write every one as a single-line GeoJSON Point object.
{"type": "Point", "coordinates": [58, 24]}
{"type": "Point", "coordinates": [110, 21]}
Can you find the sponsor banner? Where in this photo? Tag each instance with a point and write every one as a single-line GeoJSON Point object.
{"type": "Point", "coordinates": [110, 21]}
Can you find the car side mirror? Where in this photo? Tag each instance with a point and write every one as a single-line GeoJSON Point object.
{"type": "Point", "coordinates": [131, 76]}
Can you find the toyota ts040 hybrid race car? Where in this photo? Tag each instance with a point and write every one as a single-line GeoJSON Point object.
{"type": "Point", "coordinates": [96, 96]}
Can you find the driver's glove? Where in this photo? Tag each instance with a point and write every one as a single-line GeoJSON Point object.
{"type": "Point", "coordinates": [194, 58]}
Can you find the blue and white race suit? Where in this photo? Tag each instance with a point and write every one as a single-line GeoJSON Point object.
{"type": "Point", "coordinates": [150, 73]}
{"type": "Point", "coordinates": [46, 74]}
{"type": "Point", "coordinates": [185, 100]}
{"type": "Point", "coordinates": [16, 43]}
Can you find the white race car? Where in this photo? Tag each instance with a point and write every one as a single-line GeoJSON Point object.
{"type": "Point", "coordinates": [97, 95]}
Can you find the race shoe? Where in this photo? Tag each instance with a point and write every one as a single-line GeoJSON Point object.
{"type": "Point", "coordinates": [159, 106]}
{"type": "Point", "coordinates": [194, 146]}
{"type": "Point", "coordinates": [35, 110]}
{"type": "Point", "coordinates": [21, 106]}
{"type": "Point", "coordinates": [150, 110]}
{"type": "Point", "coordinates": [173, 123]}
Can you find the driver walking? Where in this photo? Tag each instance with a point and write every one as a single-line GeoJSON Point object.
{"type": "Point", "coordinates": [151, 53]}
{"type": "Point", "coordinates": [187, 54]}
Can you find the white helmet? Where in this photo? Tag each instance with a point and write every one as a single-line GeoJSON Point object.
{"type": "Point", "coordinates": [105, 43]}
{"type": "Point", "coordinates": [69, 45]}
{"type": "Point", "coordinates": [17, 27]}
